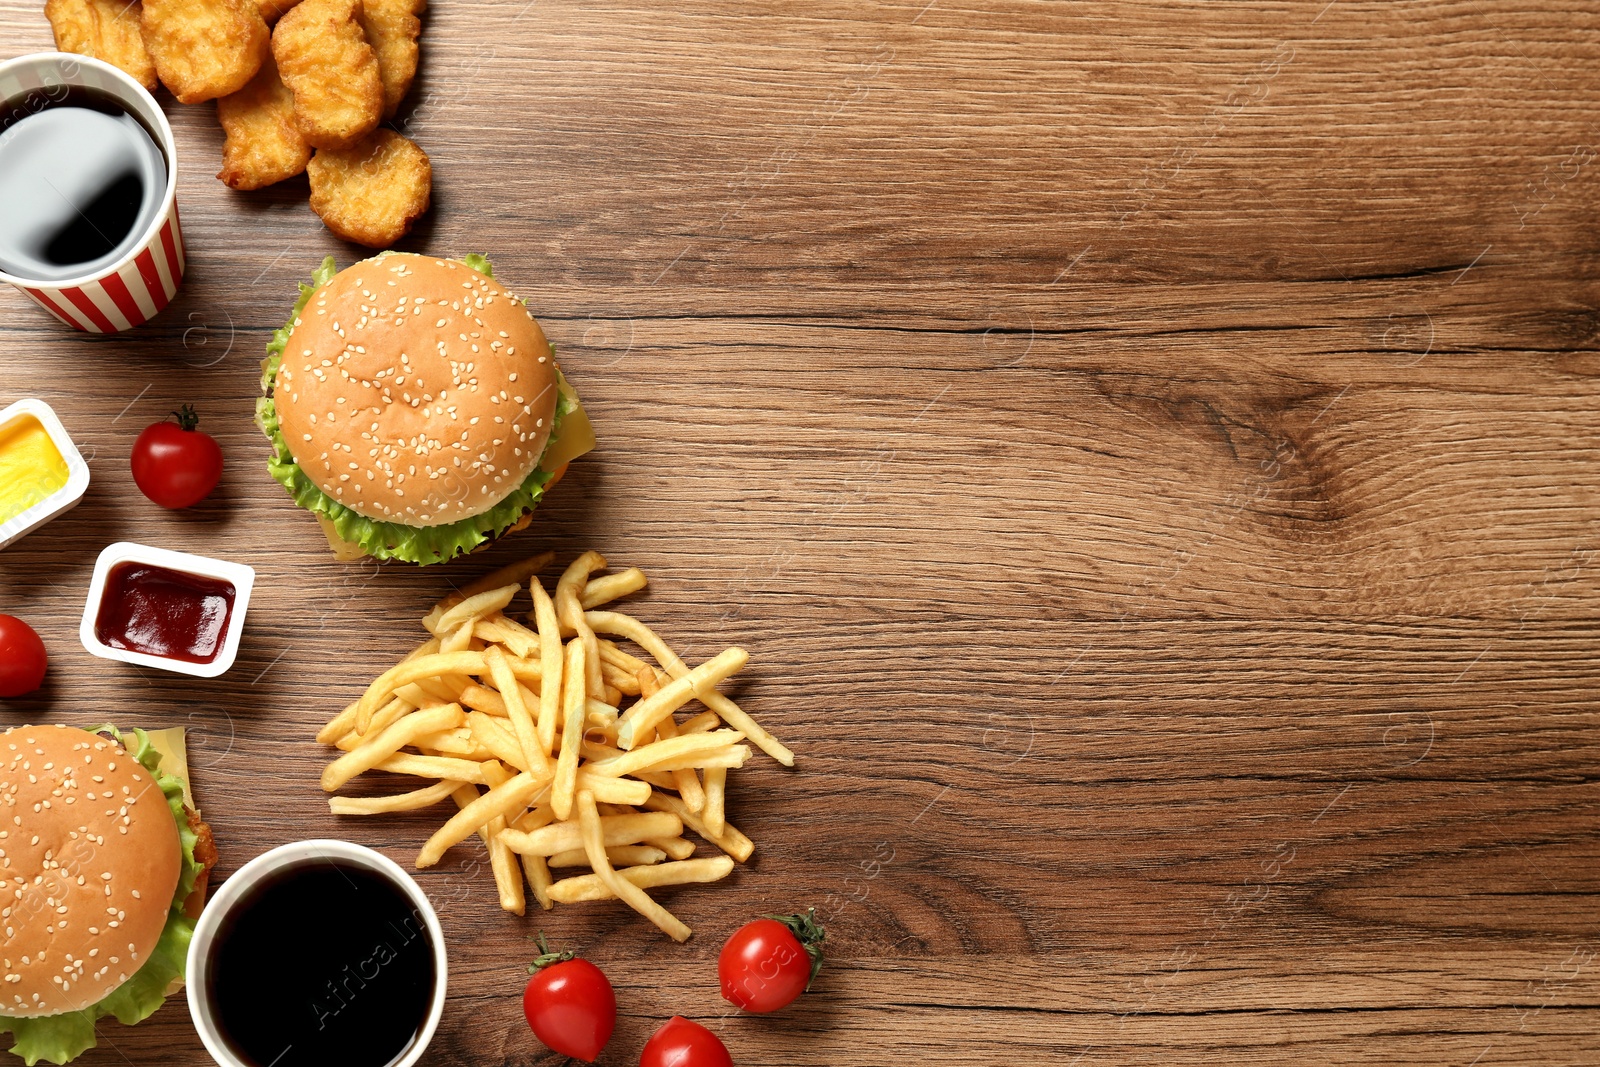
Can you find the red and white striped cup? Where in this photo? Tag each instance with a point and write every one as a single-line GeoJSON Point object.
{"type": "Point", "coordinates": [142, 281]}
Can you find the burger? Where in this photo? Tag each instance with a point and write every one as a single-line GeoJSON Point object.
{"type": "Point", "coordinates": [103, 870]}
{"type": "Point", "coordinates": [415, 408]}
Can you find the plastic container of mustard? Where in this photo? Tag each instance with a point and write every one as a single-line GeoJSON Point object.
{"type": "Point", "coordinates": [42, 474]}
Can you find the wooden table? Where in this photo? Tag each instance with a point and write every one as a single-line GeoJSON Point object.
{"type": "Point", "coordinates": [1149, 450]}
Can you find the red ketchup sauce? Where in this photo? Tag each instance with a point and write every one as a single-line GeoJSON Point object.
{"type": "Point", "coordinates": [163, 612]}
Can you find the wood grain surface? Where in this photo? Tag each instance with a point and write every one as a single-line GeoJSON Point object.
{"type": "Point", "coordinates": [1149, 451]}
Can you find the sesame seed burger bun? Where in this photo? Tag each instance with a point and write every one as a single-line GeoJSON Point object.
{"type": "Point", "coordinates": [93, 861]}
{"type": "Point", "coordinates": [416, 390]}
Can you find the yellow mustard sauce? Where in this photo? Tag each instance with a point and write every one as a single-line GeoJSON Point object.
{"type": "Point", "coordinates": [31, 467]}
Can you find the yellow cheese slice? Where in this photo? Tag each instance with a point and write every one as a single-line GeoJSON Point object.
{"type": "Point", "coordinates": [577, 433]}
{"type": "Point", "coordinates": [174, 758]}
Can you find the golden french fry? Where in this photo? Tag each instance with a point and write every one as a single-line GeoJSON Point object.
{"type": "Point", "coordinates": [732, 757]}
{"type": "Point", "coordinates": [573, 696]}
{"type": "Point", "coordinates": [539, 878]}
{"type": "Point", "coordinates": [550, 662]}
{"type": "Point", "coordinates": [508, 875]}
{"type": "Point", "coordinates": [599, 591]}
{"type": "Point", "coordinates": [614, 790]}
{"type": "Point", "coordinates": [522, 641]}
{"type": "Point", "coordinates": [475, 607]}
{"type": "Point", "coordinates": [511, 795]}
{"type": "Point", "coordinates": [427, 648]}
{"type": "Point", "coordinates": [415, 695]}
{"type": "Point", "coordinates": [618, 679]}
{"type": "Point", "coordinates": [425, 797]}
{"type": "Point", "coordinates": [457, 640]}
{"type": "Point", "coordinates": [679, 848]}
{"type": "Point", "coordinates": [619, 830]}
{"type": "Point", "coordinates": [610, 653]}
{"type": "Point", "coordinates": [481, 698]}
{"type": "Point", "coordinates": [341, 724]}
{"type": "Point", "coordinates": [381, 720]}
{"type": "Point", "coordinates": [716, 794]}
{"type": "Point", "coordinates": [464, 770]}
{"type": "Point", "coordinates": [572, 582]}
{"type": "Point", "coordinates": [457, 742]}
{"type": "Point", "coordinates": [688, 782]}
{"type": "Point", "coordinates": [696, 683]}
{"type": "Point", "coordinates": [569, 608]}
{"type": "Point", "coordinates": [585, 887]}
{"type": "Point", "coordinates": [706, 720]}
{"type": "Point", "coordinates": [534, 866]}
{"type": "Point", "coordinates": [535, 757]}
{"type": "Point", "coordinates": [684, 750]}
{"type": "Point", "coordinates": [388, 742]}
{"type": "Point", "coordinates": [600, 716]}
{"type": "Point", "coordinates": [394, 708]}
{"type": "Point", "coordinates": [530, 669]}
{"type": "Point", "coordinates": [497, 736]}
{"type": "Point", "coordinates": [594, 752]}
{"type": "Point", "coordinates": [617, 624]}
{"type": "Point", "coordinates": [539, 816]}
{"type": "Point", "coordinates": [730, 840]}
{"type": "Point", "coordinates": [619, 855]}
{"type": "Point", "coordinates": [511, 574]}
{"type": "Point", "coordinates": [499, 631]}
{"type": "Point", "coordinates": [413, 670]}
{"type": "Point", "coordinates": [502, 864]}
{"type": "Point", "coordinates": [626, 891]}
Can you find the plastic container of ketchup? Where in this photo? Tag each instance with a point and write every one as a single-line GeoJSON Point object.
{"type": "Point", "coordinates": [165, 609]}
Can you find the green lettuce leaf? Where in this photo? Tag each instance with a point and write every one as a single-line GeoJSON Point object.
{"type": "Point", "coordinates": [62, 1038]}
{"type": "Point", "coordinates": [389, 540]}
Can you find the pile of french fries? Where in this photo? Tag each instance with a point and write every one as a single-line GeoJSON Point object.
{"type": "Point", "coordinates": [525, 729]}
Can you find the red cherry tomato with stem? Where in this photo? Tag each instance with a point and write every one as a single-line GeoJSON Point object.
{"type": "Point", "coordinates": [681, 1043]}
{"type": "Point", "coordinates": [768, 963]}
{"type": "Point", "coordinates": [570, 1004]}
{"type": "Point", "coordinates": [22, 657]}
{"type": "Point", "coordinates": [175, 464]}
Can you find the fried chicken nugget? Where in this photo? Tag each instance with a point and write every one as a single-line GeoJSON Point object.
{"type": "Point", "coordinates": [325, 60]}
{"type": "Point", "coordinates": [273, 10]}
{"type": "Point", "coordinates": [104, 29]}
{"type": "Point", "coordinates": [372, 193]}
{"type": "Point", "coordinates": [263, 145]}
{"type": "Point", "coordinates": [393, 27]}
{"type": "Point", "coordinates": [204, 49]}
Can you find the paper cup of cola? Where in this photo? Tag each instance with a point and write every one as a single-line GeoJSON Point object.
{"type": "Point", "coordinates": [88, 181]}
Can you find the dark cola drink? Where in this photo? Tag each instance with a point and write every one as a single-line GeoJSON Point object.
{"type": "Point", "coordinates": [81, 180]}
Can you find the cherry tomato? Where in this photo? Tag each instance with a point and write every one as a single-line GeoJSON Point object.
{"type": "Point", "coordinates": [768, 963]}
{"type": "Point", "coordinates": [570, 1005]}
{"type": "Point", "coordinates": [681, 1043]}
{"type": "Point", "coordinates": [175, 464]}
{"type": "Point", "coordinates": [22, 658]}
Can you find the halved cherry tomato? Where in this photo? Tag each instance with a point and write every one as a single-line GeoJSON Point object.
{"type": "Point", "coordinates": [22, 657]}
{"type": "Point", "coordinates": [175, 464]}
{"type": "Point", "coordinates": [570, 1004]}
{"type": "Point", "coordinates": [768, 963]}
{"type": "Point", "coordinates": [681, 1043]}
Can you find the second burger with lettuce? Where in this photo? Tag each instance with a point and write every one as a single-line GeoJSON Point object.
{"type": "Point", "coordinates": [415, 408]}
{"type": "Point", "coordinates": [104, 863]}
